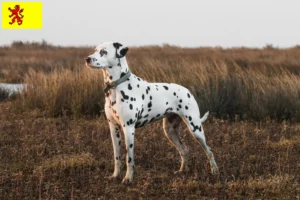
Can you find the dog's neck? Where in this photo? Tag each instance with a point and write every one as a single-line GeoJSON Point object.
{"type": "Point", "coordinates": [114, 73]}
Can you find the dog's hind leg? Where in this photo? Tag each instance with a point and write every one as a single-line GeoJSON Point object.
{"type": "Point", "coordinates": [171, 126]}
{"type": "Point", "coordinates": [194, 124]}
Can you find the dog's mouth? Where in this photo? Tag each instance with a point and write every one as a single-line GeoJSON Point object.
{"type": "Point", "coordinates": [93, 67]}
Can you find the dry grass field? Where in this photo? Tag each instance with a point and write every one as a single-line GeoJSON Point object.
{"type": "Point", "coordinates": [55, 141]}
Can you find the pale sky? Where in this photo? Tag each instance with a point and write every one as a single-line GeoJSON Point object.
{"type": "Point", "coordinates": [186, 23]}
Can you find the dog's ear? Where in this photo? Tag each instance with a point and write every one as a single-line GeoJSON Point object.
{"type": "Point", "coordinates": [117, 45]}
{"type": "Point", "coordinates": [120, 50]}
{"type": "Point", "coordinates": [123, 51]}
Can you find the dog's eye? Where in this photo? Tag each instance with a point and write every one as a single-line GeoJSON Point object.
{"type": "Point", "coordinates": [102, 52]}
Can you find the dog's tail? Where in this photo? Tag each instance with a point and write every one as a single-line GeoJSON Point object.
{"type": "Point", "coordinates": [204, 118]}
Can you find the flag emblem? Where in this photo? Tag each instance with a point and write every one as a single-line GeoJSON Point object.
{"type": "Point", "coordinates": [22, 15]}
{"type": "Point", "coordinates": [16, 14]}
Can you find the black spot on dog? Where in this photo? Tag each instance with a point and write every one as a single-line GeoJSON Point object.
{"type": "Point", "coordinates": [147, 90]}
{"type": "Point", "coordinates": [143, 96]}
{"type": "Point", "coordinates": [150, 97]}
{"type": "Point", "coordinates": [138, 85]}
{"type": "Point", "coordinates": [180, 101]}
{"type": "Point", "coordinates": [149, 110]}
{"type": "Point", "coordinates": [158, 115]}
{"type": "Point", "coordinates": [174, 93]}
{"type": "Point", "coordinates": [130, 106]}
{"type": "Point", "coordinates": [140, 113]}
{"type": "Point", "coordinates": [137, 124]}
{"type": "Point", "coordinates": [124, 95]}
{"type": "Point", "coordinates": [166, 87]}
{"type": "Point", "coordinates": [139, 79]}
{"type": "Point", "coordinates": [167, 103]}
{"type": "Point", "coordinates": [189, 96]}
{"type": "Point", "coordinates": [146, 116]}
{"type": "Point", "coordinates": [179, 106]}
{"type": "Point", "coordinates": [190, 118]}
{"type": "Point", "coordinates": [168, 109]}
{"type": "Point", "coordinates": [110, 77]}
{"type": "Point", "coordinates": [129, 87]}
{"type": "Point", "coordinates": [130, 122]}
{"type": "Point", "coordinates": [131, 145]}
{"type": "Point", "coordinates": [117, 45]}
{"type": "Point", "coordinates": [186, 107]}
{"type": "Point", "coordinates": [196, 127]}
{"type": "Point", "coordinates": [129, 159]}
{"type": "Point", "coordinates": [131, 99]}
{"type": "Point", "coordinates": [122, 100]}
{"type": "Point", "coordinates": [144, 122]}
{"type": "Point", "coordinates": [150, 104]}
{"type": "Point", "coordinates": [122, 74]}
{"type": "Point", "coordinates": [132, 133]}
{"type": "Point", "coordinates": [152, 119]}
{"type": "Point", "coordinates": [177, 109]}
{"type": "Point", "coordinates": [118, 135]}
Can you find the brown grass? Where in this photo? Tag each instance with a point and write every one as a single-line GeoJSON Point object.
{"type": "Point", "coordinates": [60, 158]}
{"type": "Point", "coordinates": [69, 156]}
{"type": "Point", "coordinates": [244, 83]}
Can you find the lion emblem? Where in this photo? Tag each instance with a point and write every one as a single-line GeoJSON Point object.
{"type": "Point", "coordinates": [16, 14]}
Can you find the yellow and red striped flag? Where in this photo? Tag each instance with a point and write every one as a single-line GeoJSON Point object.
{"type": "Point", "coordinates": [22, 15]}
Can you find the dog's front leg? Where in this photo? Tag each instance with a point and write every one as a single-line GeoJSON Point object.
{"type": "Point", "coordinates": [115, 132]}
{"type": "Point", "coordinates": [129, 142]}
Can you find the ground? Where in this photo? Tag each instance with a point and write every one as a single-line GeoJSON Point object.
{"type": "Point", "coordinates": [63, 158]}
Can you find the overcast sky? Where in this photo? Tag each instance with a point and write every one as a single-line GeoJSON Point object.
{"type": "Point", "coordinates": [188, 23]}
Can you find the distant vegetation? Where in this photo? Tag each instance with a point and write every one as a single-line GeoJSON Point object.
{"type": "Point", "coordinates": [232, 83]}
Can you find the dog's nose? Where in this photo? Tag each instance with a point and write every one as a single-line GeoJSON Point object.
{"type": "Point", "coordinates": [88, 60]}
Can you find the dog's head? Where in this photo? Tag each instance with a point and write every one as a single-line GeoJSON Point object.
{"type": "Point", "coordinates": [106, 54]}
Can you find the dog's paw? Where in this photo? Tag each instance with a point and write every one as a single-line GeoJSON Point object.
{"type": "Point", "coordinates": [215, 170]}
{"type": "Point", "coordinates": [179, 172]}
{"type": "Point", "coordinates": [127, 181]}
{"type": "Point", "coordinates": [182, 170]}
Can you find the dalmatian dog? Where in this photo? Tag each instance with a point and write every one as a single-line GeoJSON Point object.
{"type": "Point", "coordinates": [132, 102]}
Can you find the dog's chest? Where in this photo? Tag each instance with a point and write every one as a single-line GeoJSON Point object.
{"type": "Point", "coordinates": [140, 103]}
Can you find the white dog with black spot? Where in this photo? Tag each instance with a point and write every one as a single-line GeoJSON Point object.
{"type": "Point", "coordinates": [132, 102]}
